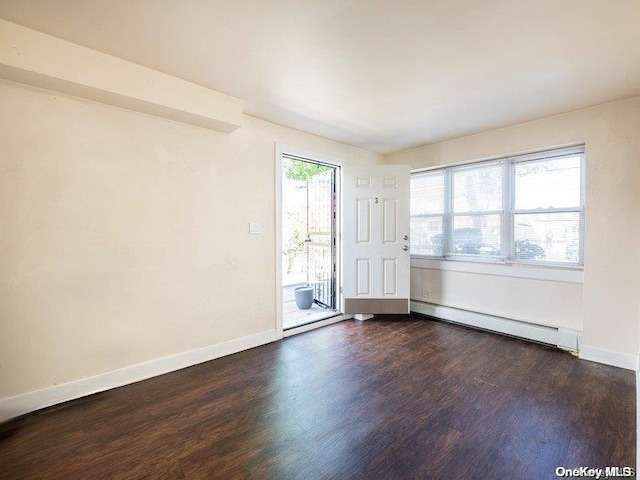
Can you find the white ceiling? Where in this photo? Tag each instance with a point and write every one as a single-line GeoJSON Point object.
{"type": "Point", "coordinates": [383, 75]}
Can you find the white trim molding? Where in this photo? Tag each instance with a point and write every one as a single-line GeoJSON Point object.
{"type": "Point", "coordinates": [564, 338]}
{"type": "Point", "coordinates": [314, 325]}
{"type": "Point", "coordinates": [503, 269]}
{"type": "Point", "coordinates": [12, 407]}
{"type": "Point", "coordinates": [608, 357]}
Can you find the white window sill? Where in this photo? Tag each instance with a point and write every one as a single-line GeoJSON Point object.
{"type": "Point", "coordinates": [517, 270]}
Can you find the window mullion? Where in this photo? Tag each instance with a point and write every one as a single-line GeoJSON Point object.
{"type": "Point", "coordinates": [548, 210]}
{"type": "Point", "coordinates": [480, 213]}
{"type": "Point", "coordinates": [447, 226]}
{"type": "Point", "coordinates": [581, 226]}
{"type": "Point", "coordinates": [509, 208]}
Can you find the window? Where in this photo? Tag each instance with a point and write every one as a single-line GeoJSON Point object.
{"type": "Point", "coordinates": [528, 209]}
{"type": "Point", "coordinates": [477, 211]}
{"type": "Point", "coordinates": [427, 213]}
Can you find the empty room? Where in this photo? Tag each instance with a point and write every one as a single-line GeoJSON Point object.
{"type": "Point", "coordinates": [319, 239]}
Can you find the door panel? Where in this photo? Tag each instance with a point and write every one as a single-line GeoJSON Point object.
{"type": "Point", "coordinates": [321, 237]}
{"type": "Point", "coordinates": [363, 277]}
{"type": "Point", "coordinates": [376, 229]}
{"type": "Point", "coordinates": [390, 276]}
{"type": "Point", "coordinates": [390, 220]}
{"type": "Point", "coordinates": [363, 220]}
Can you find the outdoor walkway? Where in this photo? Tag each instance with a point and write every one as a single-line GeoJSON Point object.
{"type": "Point", "coordinates": [294, 317]}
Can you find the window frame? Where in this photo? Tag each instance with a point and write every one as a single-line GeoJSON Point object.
{"type": "Point", "coordinates": [509, 211]}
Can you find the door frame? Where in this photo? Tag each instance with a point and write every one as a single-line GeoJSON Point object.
{"type": "Point", "coordinates": [281, 150]}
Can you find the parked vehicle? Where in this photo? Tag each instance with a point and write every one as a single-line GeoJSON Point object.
{"type": "Point", "coordinates": [469, 241]}
{"type": "Point", "coordinates": [525, 250]}
{"type": "Point", "coordinates": [466, 241]}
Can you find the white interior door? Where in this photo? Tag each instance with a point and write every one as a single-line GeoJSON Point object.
{"type": "Point", "coordinates": [376, 239]}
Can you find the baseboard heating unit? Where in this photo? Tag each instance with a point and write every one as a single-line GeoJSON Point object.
{"type": "Point", "coordinates": [564, 338]}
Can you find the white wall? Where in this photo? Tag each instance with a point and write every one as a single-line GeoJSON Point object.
{"type": "Point", "coordinates": [556, 304]}
{"type": "Point", "coordinates": [606, 306]}
{"type": "Point", "coordinates": [125, 238]}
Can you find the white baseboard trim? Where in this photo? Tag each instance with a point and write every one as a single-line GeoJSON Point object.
{"type": "Point", "coordinates": [314, 325]}
{"type": "Point", "coordinates": [564, 338]}
{"type": "Point", "coordinates": [12, 407]}
{"type": "Point", "coordinates": [608, 357]}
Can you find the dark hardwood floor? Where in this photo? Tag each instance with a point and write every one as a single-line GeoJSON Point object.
{"type": "Point", "coordinates": [389, 398]}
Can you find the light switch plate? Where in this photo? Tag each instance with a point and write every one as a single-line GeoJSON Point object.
{"type": "Point", "coordinates": [255, 228]}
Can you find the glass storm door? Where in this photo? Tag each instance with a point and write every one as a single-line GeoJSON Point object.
{"type": "Point", "coordinates": [321, 238]}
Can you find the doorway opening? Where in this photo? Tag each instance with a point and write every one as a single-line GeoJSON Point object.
{"type": "Point", "coordinates": [309, 251]}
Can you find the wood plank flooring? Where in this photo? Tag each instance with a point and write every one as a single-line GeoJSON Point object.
{"type": "Point", "coordinates": [390, 398]}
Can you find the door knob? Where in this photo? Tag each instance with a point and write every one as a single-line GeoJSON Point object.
{"type": "Point", "coordinates": [406, 237]}
{"type": "Point", "coordinates": [405, 248]}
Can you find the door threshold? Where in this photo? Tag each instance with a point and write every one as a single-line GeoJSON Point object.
{"type": "Point", "coordinates": [317, 317]}
{"type": "Point", "coordinates": [338, 317]}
